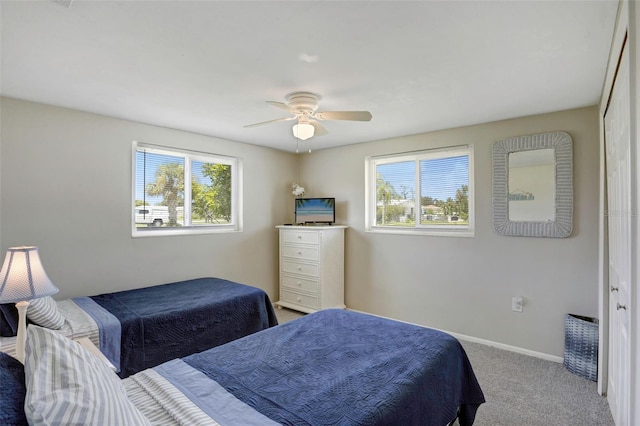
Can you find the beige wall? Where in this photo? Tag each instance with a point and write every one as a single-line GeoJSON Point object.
{"type": "Point", "coordinates": [465, 285]}
{"type": "Point", "coordinates": [66, 187]}
{"type": "Point", "coordinates": [66, 184]}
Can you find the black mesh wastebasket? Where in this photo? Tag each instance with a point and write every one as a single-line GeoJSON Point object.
{"type": "Point", "coordinates": [581, 346]}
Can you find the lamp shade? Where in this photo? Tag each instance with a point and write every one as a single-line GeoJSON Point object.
{"type": "Point", "coordinates": [303, 131]}
{"type": "Point", "coordinates": [23, 277]}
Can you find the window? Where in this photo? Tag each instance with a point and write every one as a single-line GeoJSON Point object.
{"type": "Point", "coordinates": [180, 192]}
{"type": "Point", "coordinates": [425, 192]}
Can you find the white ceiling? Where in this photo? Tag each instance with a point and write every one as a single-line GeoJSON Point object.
{"type": "Point", "coordinates": [209, 66]}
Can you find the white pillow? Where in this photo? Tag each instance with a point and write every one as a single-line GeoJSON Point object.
{"type": "Point", "coordinates": [44, 312]}
{"type": "Point", "coordinates": [67, 385]}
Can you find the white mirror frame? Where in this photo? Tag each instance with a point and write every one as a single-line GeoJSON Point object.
{"type": "Point", "coordinates": [562, 145]}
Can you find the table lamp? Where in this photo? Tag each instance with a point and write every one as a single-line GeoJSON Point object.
{"type": "Point", "coordinates": [23, 278]}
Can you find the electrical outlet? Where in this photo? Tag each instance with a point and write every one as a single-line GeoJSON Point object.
{"type": "Point", "coordinates": [516, 304]}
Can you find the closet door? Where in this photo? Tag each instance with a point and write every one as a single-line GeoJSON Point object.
{"type": "Point", "coordinates": [619, 187]}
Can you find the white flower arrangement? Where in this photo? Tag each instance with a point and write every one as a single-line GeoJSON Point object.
{"type": "Point", "coordinates": [297, 190]}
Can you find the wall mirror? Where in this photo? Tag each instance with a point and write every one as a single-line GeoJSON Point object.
{"type": "Point", "coordinates": [533, 185]}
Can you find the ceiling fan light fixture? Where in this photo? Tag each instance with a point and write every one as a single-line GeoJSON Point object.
{"type": "Point", "coordinates": [303, 131]}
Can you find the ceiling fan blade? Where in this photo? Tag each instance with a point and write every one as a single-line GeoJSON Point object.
{"type": "Point", "coordinates": [344, 115]}
{"type": "Point", "coordinates": [271, 121]}
{"type": "Point", "coordinates": [279, 105]}
{"type": "Point", "coordinates": [319, 129]}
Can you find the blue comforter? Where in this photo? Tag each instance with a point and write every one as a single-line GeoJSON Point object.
{"type": "Point", "coordinates": [337, 367]}
{"type": "Point", "coordinates": [174, 320]}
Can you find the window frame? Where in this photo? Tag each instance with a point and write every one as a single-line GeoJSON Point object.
{"type": "Point", "coordinates": [371, 163]}
{"type": "Point", "coordinates": [236, 224]}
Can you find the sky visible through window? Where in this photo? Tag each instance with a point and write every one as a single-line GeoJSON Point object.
{"type": "Point", "coordinates": [440, 178]}
{"type": "Point", "coordinates": [148, 173]}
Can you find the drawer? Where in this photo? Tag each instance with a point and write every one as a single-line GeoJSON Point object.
{"type": "Point", "coordinates": [300, 299]}
{"type": "Point", "coordinates": [300, 268]}
{"type": "Point", "coordinates": [301, 237]}
{"type": "Point", "coordinates": [306, 253]}
{"type": "Point", "coordinates": [299, 283]}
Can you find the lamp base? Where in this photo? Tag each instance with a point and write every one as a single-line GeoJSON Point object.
{"type": "Point", "coordinates": [21, 338]}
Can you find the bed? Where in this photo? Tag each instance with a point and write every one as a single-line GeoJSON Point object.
{"type": "Point", "coordinates": [141, 328]}
{"type": "Point", "coordinates": [332, 367]}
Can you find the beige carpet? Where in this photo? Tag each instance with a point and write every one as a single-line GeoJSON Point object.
{"type": "Point", "coordinates": [528, 391]}
{"type": "Point", "coordinates": [286, 315]}
{"type": "Point", "coordinates": [525, 391]}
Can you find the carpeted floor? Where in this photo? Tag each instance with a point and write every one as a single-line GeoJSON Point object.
{"type": "Point", "coordinates": [526, 391]}
{"type": "Point", "coordinates": [285, 315]}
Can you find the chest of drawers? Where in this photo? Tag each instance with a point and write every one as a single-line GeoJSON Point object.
{"type": "Point", "coordinates": [311, 267]}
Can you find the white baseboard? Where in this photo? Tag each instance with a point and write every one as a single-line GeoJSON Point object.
{"type": "Point", "coordinates": [498, 345]}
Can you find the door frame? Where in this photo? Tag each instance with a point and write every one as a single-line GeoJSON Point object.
{"type": "Point", "coordinates": [620, 34]}
{"type": "Point", "coordinates": [627, 26]}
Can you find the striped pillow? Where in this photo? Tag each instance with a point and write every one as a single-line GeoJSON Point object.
{"type": "Point", "coordinates": [44, 312]}
{"type": "Point", "coordinates": [67, 385]}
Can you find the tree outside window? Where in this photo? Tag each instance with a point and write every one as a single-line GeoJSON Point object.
{"type": "Point", "coordinates": [181, 190]}
{"type": "Point", "coordinates": [421, 191]}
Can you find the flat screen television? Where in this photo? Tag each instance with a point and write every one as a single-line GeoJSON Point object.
{"type": "Point", "coordinates": [315, 210]}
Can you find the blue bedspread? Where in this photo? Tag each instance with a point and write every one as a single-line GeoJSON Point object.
{"type": "Point", "coordinates": [109, 330]}
{"type": "Point", "coordinates": [337, 367]}
{"type": "Point", "coordinates": [174, 320]}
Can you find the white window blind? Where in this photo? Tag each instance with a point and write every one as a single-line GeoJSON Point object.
{"type": "Point", "coordinates": [427, 192]}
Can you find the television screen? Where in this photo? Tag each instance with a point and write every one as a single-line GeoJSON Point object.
{"type": "Point", "coordinates": [315, 210]}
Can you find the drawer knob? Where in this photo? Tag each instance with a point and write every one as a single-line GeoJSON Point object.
{"type": "Point", "coordinates": [299, 299]}
{"type": "Point", "coordinates": [300, 253]}
{"type": "Point", "coordinates": [299, 284]}
{"type": "Point", "coordinates": [299, 268]}
{"type": "Point", "coordinates": [299, 237]}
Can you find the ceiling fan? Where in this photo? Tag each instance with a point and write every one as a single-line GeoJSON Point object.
{"type": "Point", "coordinates": [303, 107]}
